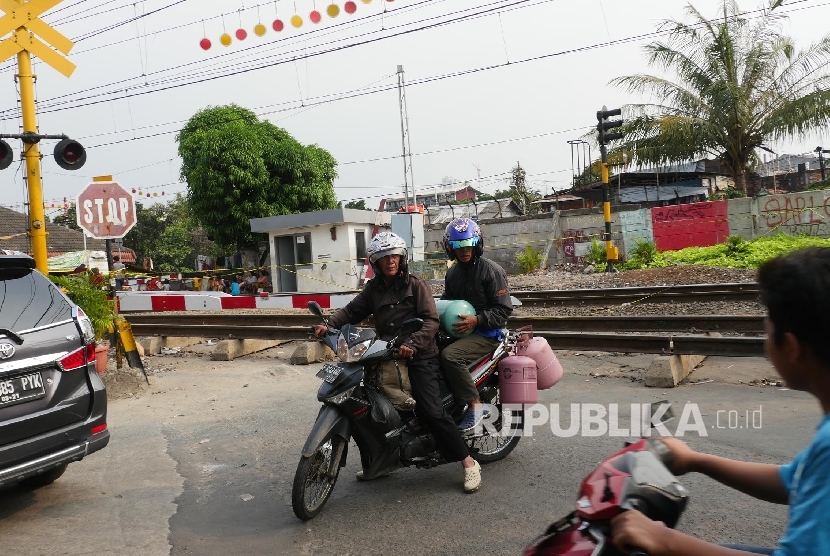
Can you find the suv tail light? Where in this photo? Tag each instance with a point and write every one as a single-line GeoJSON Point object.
{"type": "Point", "coordinates": [87, 329]}
{"type": "Point", "coordinates": [78, 358]}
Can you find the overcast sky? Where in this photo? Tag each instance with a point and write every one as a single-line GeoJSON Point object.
{"type": "Point", "coordinates": [142, 79]}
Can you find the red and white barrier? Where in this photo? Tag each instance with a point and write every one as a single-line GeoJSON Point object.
{"type": "Point", "coordinates": [149, 301]}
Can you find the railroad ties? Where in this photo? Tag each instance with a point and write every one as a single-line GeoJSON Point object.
{"type": "Point", "coordinates": [670, 334]}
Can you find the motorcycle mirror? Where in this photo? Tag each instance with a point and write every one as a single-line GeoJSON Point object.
{"type": "Point", "coordinates": [315, 308]}
{"type": "Point", "coordinates": [407, 327]}
{"type": "Point", "coordinates": [662, 410]}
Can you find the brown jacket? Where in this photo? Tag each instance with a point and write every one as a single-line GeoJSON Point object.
{"type": "Point", "coordinates": [409, 297]}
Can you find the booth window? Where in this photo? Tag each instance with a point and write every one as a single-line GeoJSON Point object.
{"type": "Point", "coordinates": [360, 241]}
{"type": "Point", "coordinates": [303, 243]}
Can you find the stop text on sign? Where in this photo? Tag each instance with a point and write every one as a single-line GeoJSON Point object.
{"type": "Point", "coordinates": [106, 210]}
{"type": "Point", "coordinates": [116, 211]}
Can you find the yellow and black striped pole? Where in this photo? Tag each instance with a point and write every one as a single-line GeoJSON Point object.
{"type": "Point", "coordinates": [603, 125]}
{"type": "Point", "coordinates": [125, 335]}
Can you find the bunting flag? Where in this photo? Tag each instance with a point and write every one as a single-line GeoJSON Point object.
{"type": "Point", "coordinates": [296, 21]}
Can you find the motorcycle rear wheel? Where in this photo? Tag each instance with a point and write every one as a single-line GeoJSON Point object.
{"type": "Point", "coordinates": [487, 449]}
{"type": "Point", "coordinates": [312, 486]}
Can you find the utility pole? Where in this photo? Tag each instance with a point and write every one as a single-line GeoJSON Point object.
{"type": "Point", "coordinates": [603, 125]}
{"type": "Point", "coordinates": [31, 153]}
{"type": "Point", "coordinates": [820, 152]}
{"type": "Point", "coordinates": [22, 20]}
{"type": "Point", "coordinates": [408, 177]}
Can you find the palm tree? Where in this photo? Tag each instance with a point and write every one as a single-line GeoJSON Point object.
{"type": "Point", "coordinates": [738, 84]}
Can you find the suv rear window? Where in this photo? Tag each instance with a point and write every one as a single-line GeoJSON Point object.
{"type": "Point", "coordinates": [28, 299]}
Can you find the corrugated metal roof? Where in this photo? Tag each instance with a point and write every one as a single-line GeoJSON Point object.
{"type": "Point", "coordinates": [443, 214]}
{"type": "Point", "coordinates": [663, 193]}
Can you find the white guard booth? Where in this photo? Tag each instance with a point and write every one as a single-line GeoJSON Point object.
{"type": "Point", "coordinates": [321, 251]}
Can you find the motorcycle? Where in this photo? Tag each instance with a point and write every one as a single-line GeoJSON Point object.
{"type": "Point", "coordinates": [637, 477]}
{"type": "Point", "coordinates": [387, 438]}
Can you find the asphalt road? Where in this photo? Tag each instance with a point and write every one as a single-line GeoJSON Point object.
{"type": "Point", "coordinates": [202, 464]}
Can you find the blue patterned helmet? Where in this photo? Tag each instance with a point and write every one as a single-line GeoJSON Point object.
{"type": "Point", "coordinates": [463, 232]}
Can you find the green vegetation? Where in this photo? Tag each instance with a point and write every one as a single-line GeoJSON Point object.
{"type": "Point", "coordinates": [819, 185]}
{"type": "Point", "coordinates": [518, 190]}
{"type": "Point", "coordinates": [529, 259]}
{"type": "Point", "coordinates": [597, 254]}
{"type": "Point", "coordinates": [359, 205]}
{"type": "Point", "coordinates": [725, 87]}
{"type": "Point", "coordinates": [169, 234]}
{"type": "Point", "coordinates": [728, 193]}
{"type": "Point", "coordinates": [641, 255]}
{"type": "Point", "coordinates": [734, 253]}
{"type": "Point", "coordinates": [238, 167]}
{"type": "Point", "coordinates": [89, 297]}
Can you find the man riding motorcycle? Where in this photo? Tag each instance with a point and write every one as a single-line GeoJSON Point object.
{"type": "Point", "coordinates": [483, 284]}
{"type": "Point", "coordinates": [394, 296]}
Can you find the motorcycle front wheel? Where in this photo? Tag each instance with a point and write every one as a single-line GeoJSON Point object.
{"type": "Point", "coordinates": [315, 479]}
{"type": "Point", "coordinates": [494, 447]}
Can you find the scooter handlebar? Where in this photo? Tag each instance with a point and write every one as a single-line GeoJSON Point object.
{"type": "Point", "coordinates": [663, 452]}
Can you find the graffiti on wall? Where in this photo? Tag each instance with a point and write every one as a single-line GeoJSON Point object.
{"type": "Point", "coordinates": [801, 213]}
{"type": "Point", "coordinates": [575, 245]}
{"type": "Point", "coordinates": [692, 225]}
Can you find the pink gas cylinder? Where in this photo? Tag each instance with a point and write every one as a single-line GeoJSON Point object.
{"type": "Point", "coordinates": [549, 369]}
{"type": "Point", "coordinates": [517, 380]}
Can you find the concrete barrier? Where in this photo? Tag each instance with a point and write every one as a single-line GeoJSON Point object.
{"type": "Point", "coordinates": [228, 350]}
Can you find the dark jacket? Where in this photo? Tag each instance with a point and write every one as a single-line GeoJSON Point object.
{"type": "Point", "coordinates": [409, 297]}
{"type": "Point", "coordinates": [483, 284]}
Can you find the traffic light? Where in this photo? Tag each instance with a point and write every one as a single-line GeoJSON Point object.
{"type": "Point", "coordinates": [604, 125]}
{"type": "Point", "coordinates": [6, 155]}
{"type": "Point", "coordinates": [69, 154]}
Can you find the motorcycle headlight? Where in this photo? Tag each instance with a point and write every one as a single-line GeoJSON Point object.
{"type": "Point", "coordinates": [351, 354]}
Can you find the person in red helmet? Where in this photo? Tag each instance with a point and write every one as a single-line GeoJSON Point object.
{"type": "Point", "coordinates": [482, 283]}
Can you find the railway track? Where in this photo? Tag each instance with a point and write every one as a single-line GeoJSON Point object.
{"type": "Point", "coordinates": [614, 334]}
{"type": "Point", "coordinates": [746, 291]}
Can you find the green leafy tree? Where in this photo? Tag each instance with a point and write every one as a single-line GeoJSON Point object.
{"type": "Point", "coordinates": [737, 83]}
{"type": "Point", "coordinates": [168, 233]}
{"type": "Point", "coordinates": [68, 218]}
{"type": "Point", "coordinates": [361, 204]}
{"type": "Point", "coordinates": [238, 168]}
{"type": "Point", "coordinates": [518, 190]}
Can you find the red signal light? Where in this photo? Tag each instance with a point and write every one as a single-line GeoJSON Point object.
{"type": "Point", "coordinates": [69, 154]}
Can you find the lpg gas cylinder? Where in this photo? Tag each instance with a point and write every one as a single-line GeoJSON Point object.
{"type": "Point", "coordinates": [517, 380]}
{"type": "Point", "coordinates": [549, 370]}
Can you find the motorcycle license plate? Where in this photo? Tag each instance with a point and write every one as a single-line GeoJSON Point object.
{"type": "Point", "coordinates": [329, 372]}
{"type": "Point", "coordinates": [21, 389]}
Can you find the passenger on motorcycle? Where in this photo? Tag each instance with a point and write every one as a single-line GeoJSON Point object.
{"type": "Point", "coordinates": [795, 289]}
{"type": "Point", "coordinates": [394, 296]}
{"type": "Point", "coordinates": [483, 284]}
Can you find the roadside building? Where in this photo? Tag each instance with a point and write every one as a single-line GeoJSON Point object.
{"type": "Point", "coordinates": [320, 251]}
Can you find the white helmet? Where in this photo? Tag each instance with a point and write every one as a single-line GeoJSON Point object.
{"type": "Point", "coordinates": [387, 243]}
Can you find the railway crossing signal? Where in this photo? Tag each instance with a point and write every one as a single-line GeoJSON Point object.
{"type": "Point", "coordinates": [604, 125]}
{"type": "Point", "coordinates": [22, 19]}
{"type": "Point", "coordinates": [27, 35]}
{"type": "Point", "coordinates": [612, 254]}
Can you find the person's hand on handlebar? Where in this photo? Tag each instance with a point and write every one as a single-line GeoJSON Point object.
{"type": "Point", "coordinates": [406, 352]}
{"type": "Point", "coordinates": [632, 529]}
{"type": "Point", "coordinates": [320, 330]}
{"type": "Point", "coordinates": [682, 457]}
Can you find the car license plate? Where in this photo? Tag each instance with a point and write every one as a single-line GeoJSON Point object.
{"type": "Point", "coordinates": [329, 372]}
{"type": "Point", "coordinates": [21, 389]}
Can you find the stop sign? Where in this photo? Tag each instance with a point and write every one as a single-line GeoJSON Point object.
{"type": "Point", "coordinates": [105, 210]}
